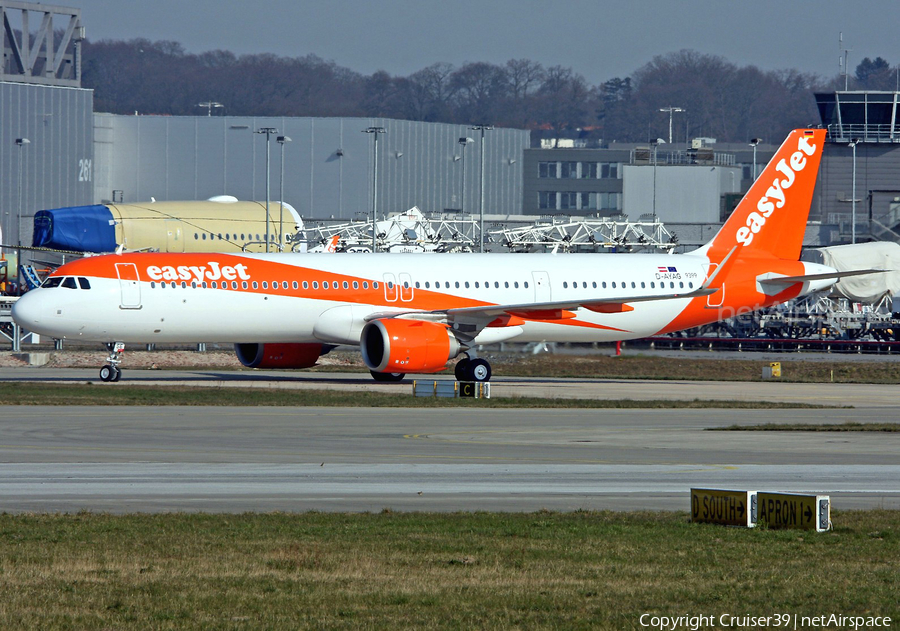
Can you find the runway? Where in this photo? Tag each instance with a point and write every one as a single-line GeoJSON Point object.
{"type": "Point", "coordinates": [149, 459]}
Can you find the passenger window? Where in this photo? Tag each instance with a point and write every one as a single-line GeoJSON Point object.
{"type": "Point", "coordinates": [594, 284]}
{"type": "Point", "coordinates": [506, 284]}
{"type": "Point", "coordinates": [565, 285]}
{"type": "Point", "coordinates": [305, 285]}
{"type": "Point", "coordinates": [255, 285]}
{"type": "Point", "coordinates": [681, 285]}
{"type": "Point", "coordinates": [194, 285]}
{"type": "Point", "coordinates": [457, 284]}
{"type": "Point", "coordinates": [355, 284]}
{"type": "Point", "coordinates": [614, 284]}
{"type": "Point", "coordinates": [315, 285]}
{"type": "Point", "coordinates": [467, 284]}
{"type": "Point", "coordinates": [244, 285]}
{"type": "Point", "coordinates": [365, 284]}
{"type": "Point", "coordinates": [295, 285]}
{"type": "Point", "coordinates": [184, 285]}
{"type": "Point", "coordinates": [374, 285]}
{"type": "Point", "coordinates": [266, 284]}
{"type": "Point", "coordinates": [643, 285]}
{"type": "Point", "coordinates": [516, 284]}
{"type": "Point", "coordinates": [69, 283]}
{"type": "Point", "coordinates": [152, 285]}
{"type": "Point", "coordinates": [633, 286]}
{"type": "Point", "coordinates": [427, 284]}
{"type": "Point", "coordinates": [204, 285]}
{"type": "Point", "coordinates": [526, 284]}
{"type": "Point", "coordinates": [476, 285]}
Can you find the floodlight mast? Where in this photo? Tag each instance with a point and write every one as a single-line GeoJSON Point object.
{"type": "Point", "coordinates": [482, 129]}
{"type": "Point", "coordinates": [374, 131]}
{"type": "Point", "coordinates": [671, 110]}
{"type": "Point", "coordinates": [268, 131]}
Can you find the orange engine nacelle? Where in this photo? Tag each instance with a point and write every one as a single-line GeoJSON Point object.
{"type": "Point", "coordinates": [403, 346]}
{"type": "Point", "coordinates": [279, 355]}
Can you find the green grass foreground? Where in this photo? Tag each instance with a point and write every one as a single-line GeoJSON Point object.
{"type": "Point", "coordinates": [710, 368]}
{"type": "Point", "coordinates": [583, 570]}
{"type": "Point", "coordinates": [108, 394]}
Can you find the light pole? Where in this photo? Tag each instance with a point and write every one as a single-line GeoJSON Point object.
{"type": "Point", "coordinates": [209, 105]}
{"type": "Point", "coordinates": [374, 131]}
{"type": "Point", "coordinates": [20, 143]}
{"type": "Point", "coordinates": [655, 144]}
{"type": "Point", "coordinates": [853, 194]}
{"type": "Point", "coordinates": [268, 131]}
{"type": "Point", "coordinates": [753, 143]}
{"type": "Point", "coordinates": [671, 110]}
{"type": "Point", "coordinates": [281, 140]}
{"type": "Point", "coordinates": [464, 142]}
{"type": "Point", "coordinates": [482, 129]}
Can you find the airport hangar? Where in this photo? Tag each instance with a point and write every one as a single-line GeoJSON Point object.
{"type": "Point", "coordinates": [56, 152]}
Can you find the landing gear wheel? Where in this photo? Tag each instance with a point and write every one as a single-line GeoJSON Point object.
{"type": "Point", "coordinates": [117, 374]}
{"type": "Point", "coordinates": [479, 370]}
{"type": "Point", "coordinates": [108, 373]}
{"type": "Point", "coordinates": [387, 377]}
{"type": "Point", "coordinates": [462, 370]}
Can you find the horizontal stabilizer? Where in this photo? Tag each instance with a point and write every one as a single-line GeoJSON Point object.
{"type": "Point", "coordinates": [789, 280]}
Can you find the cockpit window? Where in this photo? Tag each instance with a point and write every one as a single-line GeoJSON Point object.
{"type": "Point", "coordinates": [69, 283]}
{"type": "Point", "coordinates": [51, 282]}
{"type": "Point", "coordinates": [84, 282]}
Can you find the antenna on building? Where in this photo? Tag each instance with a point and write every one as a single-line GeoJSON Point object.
{"type": "Point", "coordinates": [844, 59]}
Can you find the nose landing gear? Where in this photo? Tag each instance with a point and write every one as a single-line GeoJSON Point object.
{"type": "Point", "coordinates": [111, 371]}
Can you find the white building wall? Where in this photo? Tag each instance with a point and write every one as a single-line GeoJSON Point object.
{"type": "Point", "coordinates": [328, 165]}
{"type": "Point", "coordinates": [684, 194]}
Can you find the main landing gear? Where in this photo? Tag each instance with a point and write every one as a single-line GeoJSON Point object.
{"type": "Point", "coordinates": [387, 377]}
{"type": "Point", "coordinates": [473, 369]}
{"type": "Point", "coordinates": [111, 371]}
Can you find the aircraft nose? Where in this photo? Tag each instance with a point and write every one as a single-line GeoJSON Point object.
{"type": "Point", "coordinates": [27, 311]}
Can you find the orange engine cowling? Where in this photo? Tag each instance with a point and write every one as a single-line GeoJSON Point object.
{"type": "Point", "coordinates": [279, 355]}
{"type": "Point", "coordinates": [394, 345]}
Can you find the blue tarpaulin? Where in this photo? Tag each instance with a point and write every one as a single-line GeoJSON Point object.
{"type": "Point", "coordinates": [77, 228]}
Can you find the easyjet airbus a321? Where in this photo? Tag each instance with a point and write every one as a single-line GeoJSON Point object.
{"type": "Point", "coordinates": [413, 314]}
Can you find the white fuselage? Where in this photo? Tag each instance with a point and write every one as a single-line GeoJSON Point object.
{"type": "Point", "coordinates": [284, 298]}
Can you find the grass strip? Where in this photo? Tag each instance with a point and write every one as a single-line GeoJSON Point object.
{"type": "Point", "coordinates": [662, 367]}
{"type": "Point", "coordinates": [91, 394]}
{"type": "Point", "coordinates": [544, 570]}
{"type": "Point", "coordinates": [811, 427]}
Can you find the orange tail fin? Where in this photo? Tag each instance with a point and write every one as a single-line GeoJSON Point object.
{"type": "Point", "coordinates": [771, 218]}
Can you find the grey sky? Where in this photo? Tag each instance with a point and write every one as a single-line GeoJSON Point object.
{"type": "Point", "coordinates": [598, 39]}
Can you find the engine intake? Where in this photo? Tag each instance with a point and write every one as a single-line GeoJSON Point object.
{"type": "Point", "coordinates": [403, 346]}
{"type": "Point", "coordinates": [279, 355]}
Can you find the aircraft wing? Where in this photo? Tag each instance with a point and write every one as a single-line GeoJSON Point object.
{"type": "Point", "coordinates": [469, 321]}
{"type": "Point", "coordinates": [555, 309]}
